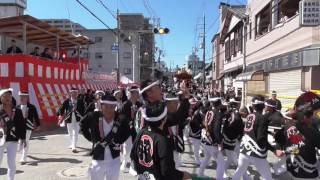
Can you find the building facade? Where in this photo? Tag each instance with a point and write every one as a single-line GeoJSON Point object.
{"type": "Point", "coordinates": [66, 25]}
{"type": "Point", "coordinates": [286, 51]}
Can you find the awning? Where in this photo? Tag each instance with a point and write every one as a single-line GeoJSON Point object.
{"type": "Point", "coordinates": [198, 76]}
{"type": "Point", "coordinates": [232, 69]}
{"type": "Point", "coordinates": [251, 76]}
{"type": "Point", "coordinates": [39, 32]}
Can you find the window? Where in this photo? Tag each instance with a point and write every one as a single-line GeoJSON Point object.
{"type": "Point", "coordinates": [86, 55]}
{"type": "Point", "coordinates": [284, 9]}
{"type": "Point", "coordinates": [67, 26]}
{"type": "Point", "coordinates": [241, 37]}
{"type": "Point", "coordinates": [263, 21]}
{"type": "Point", "coordinates": [127, 55]}
{"type": "Point", "coordinates": [127, 71]}
{"type": "Point", "coordinates": [232, 47]}
{"type": "Point", "coordinates": [98, 55]}
{"type": "Point", "coordinates": [98, 39]}
{"type": "Point", "coordinates": [227, 51]}
{"type": "Point", "coordinates": [250, 30]}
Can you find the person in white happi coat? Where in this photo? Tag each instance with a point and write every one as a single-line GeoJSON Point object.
{"type": "Point", "coordinates": [71, 113]}
{"type": "Point", "coordinates": [107, 131]}
{"type": "Point", "coordinates": [30, 114]}
{"type": "Point", "coordinates": [12, 129]}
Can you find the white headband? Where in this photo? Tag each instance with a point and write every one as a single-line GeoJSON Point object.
{"type": "Point", "coordinates": [97, 92]}
{"type": "Point", "coordinates": [116, 92]}
{"type": "Point", "coordinates": [2, 91]}
{"type": "Point", "coordinates": [73, 90]}
{"type": "Point", "coordinates": [108, 102]}
{"type": "Point", "coordinates": [257, 102]}
{"type": "Point", "coordinates": [150, 86]}
{"type": "Point", "coordinates": [154, 119]}
{"type": "Point", "coordinates": [23, 94]}
{"type": "Point", "coordinates": [214, 99]}
{"type": "Point", "coordinates": [172, 99]}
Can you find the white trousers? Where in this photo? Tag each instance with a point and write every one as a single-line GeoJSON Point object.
{"type": "Point", "coordinates": [11, 148]}
{"type": "Point", "coordinates": [196, 149]}
{"type": "Point", "coordinates": [25, 149]}
{"type": "Point", "coordinates": [105, 170]}
{"type": "Point", "coordinates": [73, 131]}
{"type": "Point", "coordinates": [177, 159]}
{"type": "Point", "coordinates": [232, 158]}
{"type": "Point", "coordinates": [212, 151]}
{"type": "Point", "coordinates": [280, 166]}
{"type": "Point", "coordinates": [127, 146]}
{"type": "Point", "coordinates": [261, 165]}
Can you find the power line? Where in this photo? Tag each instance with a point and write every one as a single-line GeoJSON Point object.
{"type": "Point", "coordinates": [106, 7]}
{"type": "Point", "coordinates": [86, 8]}
{"type": "Point", "coordinates": [146, 7]}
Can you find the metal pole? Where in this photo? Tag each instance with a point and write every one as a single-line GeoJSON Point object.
{"type": "Point", "coordinates": [204, 50]}
{"type": "Point", "coordinates": [118, 50]}
{"type": "Point", "coordinates": [24, 38]}
{"type": "Point", "coordinates": [58, 48]}
{"type": "Point", "coordinates": [133, 62]}
{"type": "Point", "coordinates": [243, 93]}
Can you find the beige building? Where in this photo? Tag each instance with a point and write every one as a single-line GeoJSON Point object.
{"type": "Point", "coordinates": [284, 53]}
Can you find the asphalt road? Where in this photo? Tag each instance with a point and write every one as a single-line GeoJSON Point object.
{"type": "Point", "coordinates": [50, 159]}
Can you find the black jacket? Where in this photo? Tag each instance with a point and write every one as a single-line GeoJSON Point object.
{"type": "Point", "coordinates": [17, 51]}
{"type": "Point", "coordinates": [128, 112]}
{"type": "Point", "coordinates": [15, 128]}
{"type": "Point", "coordinates": [215, 125]}
{"type": "Point", "coordinates": [32, 121]}
{"type": "Point", "coordinates": [255, 140]}
{"type": "Point", "coordinates": [196, 125]}
{"type": "Point", "coordinates": [89, 127]}
{"type": "Point", "coordinates": [300, 142]}
{"type": "Point", "coordinates": [66, 109]}
{"type": "Point", "coordinates": [153, 153]}
{"type": "Point", "coordinates": [232, 129]}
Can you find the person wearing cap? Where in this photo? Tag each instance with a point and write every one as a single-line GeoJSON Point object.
{"type": "Point", "coordinates": [31, 117]}
{"type": "Point", "coordinates": [299, 140]}
{"type": "Point", "coordinates": [232, 132]}
{"type": "Point", "coordinates": [13, 128]}
{"type": "Point", "coordinates": [128, 112]}
{"type": "Point", "coordinates": [95, 105]}
{"type": "Point", "coordinates": [152, 152]}
{"type": "Point", "coordinates": [212, 138]}
{"type": "Point", "coordinates": [254, 143]}
{"type": "Point", "coordinates": [71, 112]}
{"type": "Point", "coordinates": [278, 102]}
{"type": "Point", "coordinates": [196, 128]}
{"type": "Point", "coordinates": [107, 132]}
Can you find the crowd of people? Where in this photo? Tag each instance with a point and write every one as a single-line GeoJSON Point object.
{"type": "Point", "coordinates": [47, 53]}
{"type": "Point", "coordinates": [143, 130]}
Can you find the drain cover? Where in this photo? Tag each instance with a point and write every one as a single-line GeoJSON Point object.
{"type": "Point", "coordinates": [74, 172]}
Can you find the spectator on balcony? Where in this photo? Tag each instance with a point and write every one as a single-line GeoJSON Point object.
{"type": "Point", "coordinates": [46, 53]}
{"type": "Point", "coordinates": [14, 49]}
{"type": "Point", "coordinates": [35, 51]}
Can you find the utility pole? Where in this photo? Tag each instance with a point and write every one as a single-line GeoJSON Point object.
{"type": "Point", "coordinates": [118, 50]}
{"type": "Point", "coordinates": [204, 50]}
{"type": "Point", "coordinates": [243, 93]}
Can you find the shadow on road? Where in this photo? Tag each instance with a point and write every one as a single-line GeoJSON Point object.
{"type": "Point", "coordinates": [48, 160]}
{"type": "Point", "coordinates": [3, 171]}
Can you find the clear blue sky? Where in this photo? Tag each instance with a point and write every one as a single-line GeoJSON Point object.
{"type": "Point", "coordinates": [180, 16]}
